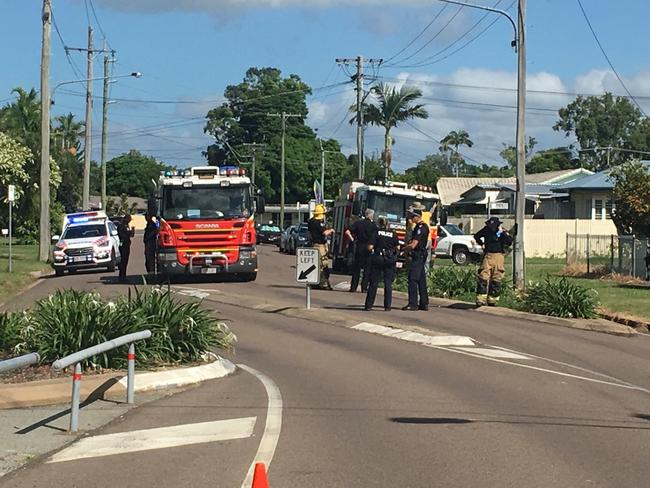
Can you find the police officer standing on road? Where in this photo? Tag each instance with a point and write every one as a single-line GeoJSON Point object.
{"type": "Point", "coordinates": [125, 234]}
{"type": "Point", "coordinates": [359, 234]}
{"type": "Point", "coordinates": [494, 239]}
{"type": "Point", "coordinates": [383, 260]}
{"type": "Point", "coordinates": [417, 275]}
{"type": "Point", "coordinates": [150, 240]}
{"type": "Point", "coordinates": [318, 233]}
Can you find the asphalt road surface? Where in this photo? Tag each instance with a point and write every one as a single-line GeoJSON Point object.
{"type": "Point", "coordinates": [526, 405]}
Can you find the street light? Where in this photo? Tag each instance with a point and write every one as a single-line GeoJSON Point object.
{"type": "Point", "coordinates": [519, 43]}
{"type": "Point", "coordinates": [135, 74]}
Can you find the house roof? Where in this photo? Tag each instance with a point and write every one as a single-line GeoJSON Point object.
{"type": "Point", "coordinates": [558, 177]}
{"type": "Point", "coordinates": [451, 190]}
{"type": "Point", "coordinates": [597, 181]}
{"type": "Point", "coordinates": [141, 203]}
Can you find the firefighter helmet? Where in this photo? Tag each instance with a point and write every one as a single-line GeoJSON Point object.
{"type": "Point", "coordinates": [319, 211]}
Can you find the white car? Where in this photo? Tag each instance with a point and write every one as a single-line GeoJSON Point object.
{"type": "Point", "coordinates": [89, 240]}
{"type": "Point", "coordinates": [454, 244]}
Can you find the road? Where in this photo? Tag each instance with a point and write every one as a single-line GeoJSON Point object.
{"type": "Point", "coordinates": [526, 405]}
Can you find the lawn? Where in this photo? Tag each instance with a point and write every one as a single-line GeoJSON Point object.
{"type": "Point", "coordinates": [25, 261]}
{"type": "Point", "coordinates": [612, 297]}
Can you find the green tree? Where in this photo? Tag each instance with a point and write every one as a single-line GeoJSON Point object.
{"type": "Point", "coordinates": [13, 158]}
{"type": "Point", "coordinates": [553, 159]}
{"type": "Point", "coordinates": [131, 174]}
{"type": "Point", "coordinates": [67, 133]}
{"type": "Point", "coordinates": [601, 121]}
{"type": "Point", "coordinates": [509, 153]}
{"type": "Point", "coordinates": [631, 200]}
{"type": "Point", "coordinates": [243, 118]}
{"type": "Point", "coordinates": [456, 139]}
{"type": "Point", "coordinates": [392, 107]}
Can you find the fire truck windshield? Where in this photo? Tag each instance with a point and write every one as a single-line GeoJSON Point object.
{"type": "Point", "coordinates": [393, 207]}
{"type": "Point", "coordinates": [205, 202]}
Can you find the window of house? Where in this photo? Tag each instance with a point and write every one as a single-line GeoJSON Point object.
{"type": "Point", "coordinates": [598, 208]}
{"type": "Point", "coordinates": [608, 209]}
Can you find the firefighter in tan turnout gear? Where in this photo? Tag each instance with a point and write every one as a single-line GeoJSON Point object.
{"type": "Point", "coordinates": [318, 233]}
{"type": "Point", "coordinates": [494, 239]}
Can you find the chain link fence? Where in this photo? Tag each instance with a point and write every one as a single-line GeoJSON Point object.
{"type": "Point", "coordinates": [627, 255]}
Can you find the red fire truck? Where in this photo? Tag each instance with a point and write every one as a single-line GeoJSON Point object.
{"type": "Point", "coordinates": [390, 200]}
{"type": "Point", "coordinates": [206, 216]}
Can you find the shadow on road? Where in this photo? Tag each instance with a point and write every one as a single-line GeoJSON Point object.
{"type": "Point", "coordinates": [557, 422]}
{"type": "Point", "coordinates": [429, 420]}
{"type": "Point", "coordinates": [97, 394]}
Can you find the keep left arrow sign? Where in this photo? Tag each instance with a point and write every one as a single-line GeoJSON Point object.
{"type": "Point", "coordinates": [303, 274]}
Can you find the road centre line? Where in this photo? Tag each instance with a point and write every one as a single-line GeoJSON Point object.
{"type": "Point", "coordinates": [157, 438]}
{"type": "Point", "coordinates": [544, 370]}
{"type": "Point", "coordinates": [273, 425]}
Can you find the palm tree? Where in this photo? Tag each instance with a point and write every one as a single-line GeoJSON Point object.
{"type": "Point", "coordinates": [456, 139]}
{"type": "Point", "coordinates": [393, 106]}
{"type": "Point", "coordinates": [22, 118]}
{"type": "Point", "coordinates": [69, 129]}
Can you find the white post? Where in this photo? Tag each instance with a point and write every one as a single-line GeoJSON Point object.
{"type": "Point", "coordinates": [308, 297]}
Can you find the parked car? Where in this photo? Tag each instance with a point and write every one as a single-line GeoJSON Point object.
{"type": "Point", "coordinates": [455, 244]}
{"type": "Point", "coordinates": [284, 238]}
{"type": "Point", "coordinates": [268, 234]}
{"type": "Point", "coordinates": [299, 238]}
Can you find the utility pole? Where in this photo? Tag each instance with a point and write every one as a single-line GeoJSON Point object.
{"type": "Point", "coordinates": [107, 60]}
{"type": "Point", "coordinates": [88, 123]}
{"type": "Point", "coordinates": [284, 117]}
{"type": "Point", "coordinates": [358, 77]}
{"type": "Point", "coordinates": [520, 205]}
{"type": "Point", "coordinates": [44, 224]}
{"type": "Point", "coordinates": [322, 169]}
{"type": "Point", "coordinates": [254, 147]}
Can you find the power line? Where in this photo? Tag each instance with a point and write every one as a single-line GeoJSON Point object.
{"type": "Point", "coordinates": [419, 35]}
{"type": "Point", "coordinates": [435, 36]}
{"type": "Point", "coordinates": [602, 50]}
{"type": "Point", "coordinates": [437, 141]}
{"type": "Point", "coordinates": [72, 64]}
{"type": "Point", "coordinates": [99, 25]}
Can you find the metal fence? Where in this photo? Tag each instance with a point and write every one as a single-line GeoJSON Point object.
{"type": "Point", "coordinates": [19, 362]}
{"type": "Point", "coordinates": [626, 255]}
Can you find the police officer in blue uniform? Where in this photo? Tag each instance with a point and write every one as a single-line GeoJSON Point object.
{"type": "Point", "coordinates": [417, 275]}
{"type": "Point", "coordinates": [383, 258]}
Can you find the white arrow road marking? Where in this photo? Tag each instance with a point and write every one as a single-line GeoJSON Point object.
{"type": "Point", "coordinates": [273, 426]}
{"type": "Point", "coordinates": [158, 438]}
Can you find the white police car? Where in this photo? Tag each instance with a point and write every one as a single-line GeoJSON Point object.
{"type": "Point", "coordinates": [89, 240]}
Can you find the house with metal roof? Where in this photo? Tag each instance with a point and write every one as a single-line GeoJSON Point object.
{"type": "Point", "coordinates": [496, 196]}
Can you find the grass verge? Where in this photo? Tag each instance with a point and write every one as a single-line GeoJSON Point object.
{"type": "Point", "coordinates": [25, 261]}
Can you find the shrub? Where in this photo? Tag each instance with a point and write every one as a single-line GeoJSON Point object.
{"type": "Point", "coordinates": [560, 298]}
{"type": "Point", "coordinates": [11, 326]}
{"type": "Point", "coordinates": [181, 331]}
{"type": "Point", "coordinates": [451, 281]}
{"type": "Point", "coordinates": [71, 320]}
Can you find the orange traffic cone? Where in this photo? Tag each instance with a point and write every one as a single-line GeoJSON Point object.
{"type": "Point", "coordinates": [259, 476]}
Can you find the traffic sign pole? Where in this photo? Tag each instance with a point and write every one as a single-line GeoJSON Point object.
{"type": "Point", "coordinates": [11, 197]}
{"type": "Point", "coordinates": [308, 297]}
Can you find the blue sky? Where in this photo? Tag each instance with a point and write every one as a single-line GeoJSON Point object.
{"type": "Point", "coordinates": [189, 50]}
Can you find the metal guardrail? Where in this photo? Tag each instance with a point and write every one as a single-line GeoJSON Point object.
{"type": "Point", "coordinates": [79, 356]}
{"type": "Point", "coordinates": [19, 362]}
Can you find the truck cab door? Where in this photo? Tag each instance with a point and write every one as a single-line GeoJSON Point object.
{"type": "Point", "coordinates": [443, 242]}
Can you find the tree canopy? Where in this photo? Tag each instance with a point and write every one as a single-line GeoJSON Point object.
{"type": "Point", "coordinates": [598, 122]}
{"type": "Point", "coordinates": [244, 119]}
{"type": "Point", "coordinates": [631, 212]}
{"type": "Point", "coordinates": [131, 174]}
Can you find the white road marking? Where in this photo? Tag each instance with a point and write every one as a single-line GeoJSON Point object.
{"type": "Point", "coordinates": [544, 370]}
{"type": "Point", "coordinates": [273, 426]}
{"type": "Point", "coordinates": [193, 293]}
{"type": "Point", "coordinates": [493, 353]}
{"type": "Point", "coordinates": [158, 438]}
{"type": "Point", "coordinates": [343, 285]}
{"type": "Point", "coordinates": [404, 335]}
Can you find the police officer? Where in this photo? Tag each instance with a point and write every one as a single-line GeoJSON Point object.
{"type": "Point", "coordinates": [360, 233]}
{"type": "Point", "coordinates": [494, 239]}
{"type": "Point", "coordinates": [125, 234]}
{"type": "Point", "coordinates": [150, 239]}
{"type": "Point", "coordinates": [318, 233]}
{"type": "Point", "coordinates": [417, 276]}
{"type": "Point", "coordinates": [383, 259]}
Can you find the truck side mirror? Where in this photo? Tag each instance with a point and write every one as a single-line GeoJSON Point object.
{"type": "Point", "coordinates": [443, 217]}
{"type": "Point", "coordinates": [152, 206]}
{"type": "Point", "coordinates": [259, 204]}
